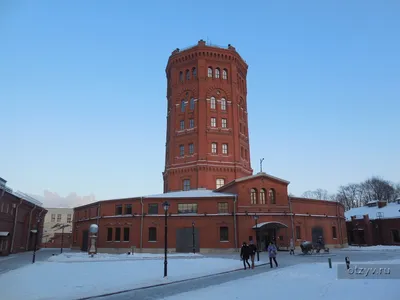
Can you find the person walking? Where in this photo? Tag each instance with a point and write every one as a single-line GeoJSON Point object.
{"type": "Point", "coordinates": [291, 247]}
{"type": "Point", "coordinates": [272, 250]}
{"type": "Point", "coordinates": [253, 251]}
{"type": "Point", "coordinates": [245, 254]}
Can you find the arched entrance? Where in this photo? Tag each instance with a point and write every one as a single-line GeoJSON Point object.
{"type": "Point", "coordinates": [267, 232]}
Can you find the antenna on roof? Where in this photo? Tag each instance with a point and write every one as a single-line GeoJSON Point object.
{"type": "Point", "coordinates": [261, 161]}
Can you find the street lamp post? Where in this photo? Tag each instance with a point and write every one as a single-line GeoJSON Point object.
{"type": "Point", "coordinates": [166, 206]}
{"type": "Point", "coordinates": [194, 245]}
{"type": "Point", "coordinates": [61, 226]}
{"type": "Point", "coordinates": [258, 252]}
{"type": "Point", "coordinates": [36, 238]}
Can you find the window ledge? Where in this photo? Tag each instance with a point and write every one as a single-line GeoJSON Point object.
{"type": "Point", "coordinates": [152, 241]}
{"type": "Point", "coordinates": [224, 241]}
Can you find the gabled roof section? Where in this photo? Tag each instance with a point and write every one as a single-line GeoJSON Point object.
{"type": "Point", "coordinates": [258, 175]}
{"type": "Point", "coordinates": [199, 193]}
{"type": "Point", "coordinates": [390, 211]}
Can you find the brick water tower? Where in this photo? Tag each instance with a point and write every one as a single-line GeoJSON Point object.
{"type": "Point", "coordinates": [207, 142]}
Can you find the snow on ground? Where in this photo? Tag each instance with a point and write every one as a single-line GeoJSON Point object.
{"type": "Point", "coordinates": [372, 248]}
{"type": "Point", "coordinates": [84, 257]}
{"type": "Point", "coordinates": [61, 280]}
{"type": "Point", "coordinates": [304, 281]}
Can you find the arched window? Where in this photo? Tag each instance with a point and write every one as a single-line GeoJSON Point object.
{"type": "Point", "coordinates": [223, 104]}
{"type": "Point", "coordinates": [194, 73]}
{"type": "Point", "coordinates": [271, 196]}
{"type": "Point", "coordinates": [187, 75]}
{"type": "Point", "coordinates": [253, 196]}
{"type": "Point", "coordinates": [180, 76]}
{"type": "Point", "coordinates": [183, 106]}
{"type": "Point", "coordinates": [212, 103]}
{"type": "Point", "coordinates": [217, 73]}
{"type": "Point", "coordinates": [192, 104]}
{"type": "Point", "coordinates": [210, 72]}
{"type": "Point", "coordinates": [225, 74]}
{"type": "Point", "coordinates": [262, 196]}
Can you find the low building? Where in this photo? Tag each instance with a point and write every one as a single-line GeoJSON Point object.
{"type": "Point", "coordinates": [256, 207]}
{"type": "Point", "coordinates": [376, 223]}
{"type": "Point", "coordinates": [21, 221]}
{"type": "Point", "coordinates": [58, 228]}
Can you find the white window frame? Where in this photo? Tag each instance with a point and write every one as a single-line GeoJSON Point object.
{"type": "Point", "coordinates": [214, 148]}
{"type": "Point", "coordinates": [191, 123]}
{"type": "Point", "coordinates": [219, 182]}
{"type": "Point", "coordinates": [182, 124]}
{"type": "Point", "coordinates": [224, 123]}
{"type": "Point", "coordinates": [212, 103]}
{"type": "Point", "coordinates": [224, 148]}
{"type": "Point", "coordinates": [217, 73]}
{"type": "Point", "coordinates": [213, 122]}
{"type": "Point", "coordinates": [223, 104]}
{"type": "Point", "coordinates": [191, 148]}
{"type": "Point", "coordinates": [210, 72]}
{"type": "Point", "coordinates": [224, 74]}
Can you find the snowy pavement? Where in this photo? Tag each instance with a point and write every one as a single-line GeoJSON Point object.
{"type": "Point", "coordinates": [372, 248]}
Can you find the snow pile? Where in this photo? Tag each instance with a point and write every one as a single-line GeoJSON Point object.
{"type": "Point", "coordinates": [54, 280]}
{"type": "Point", "coordinates": [304, 281]}
{"type": "Point", "coordinates": [84, 257]}
{"type": "Point", "coordinates": [372, 248]}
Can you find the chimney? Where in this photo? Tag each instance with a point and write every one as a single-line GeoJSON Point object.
{"type": "Point", "coordinates": [381, 204]}
{"type": "Point", "coordinates": [3, 182]}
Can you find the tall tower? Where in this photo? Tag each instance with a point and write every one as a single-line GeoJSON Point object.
{"type": "Point", "coordinates": [207, 142]}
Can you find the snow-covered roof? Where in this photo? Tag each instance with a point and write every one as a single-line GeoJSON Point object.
{"type": "Point", "coordinates": [391, 210]}
{"type": "Point", "coordinates": [200, 193]}
{"type": "Point", "coordinates": [27, 198]}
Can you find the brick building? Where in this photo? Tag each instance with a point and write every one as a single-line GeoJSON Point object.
{"type": "Point", "coordinates": [21, 221]}
{"type": "Point", "coordinates": [208, 179]}
{"type": "Point", "coordinates": [58, 222]}
{"type": "Point", "coordinates": [376, 223]}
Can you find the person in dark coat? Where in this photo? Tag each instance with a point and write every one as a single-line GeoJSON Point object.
{"type": "Point", "coordinates": [245, 254]}
{"type": "Point", "coordinates": [253, 251]}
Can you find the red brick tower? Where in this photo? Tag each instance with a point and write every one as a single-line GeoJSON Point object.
{"type": "Point", "coordinates": [207, 143]}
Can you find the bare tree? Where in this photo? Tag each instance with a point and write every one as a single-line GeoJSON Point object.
{"type": "Point", "coordinates": [319, 194]}
{"type": "Point", "coordinates": [376, 188]}
{"type": "Point", "coordinates": [350, 195]}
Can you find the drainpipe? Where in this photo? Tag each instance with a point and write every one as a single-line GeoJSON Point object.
{"type": "Point", "coordinates": [98, 215]}
{"type": "Point", "coordinates": [141, 225]}
{"type": "Point", "coordinates": [340, 224]}
{"type": "Point", "coordinates": [15, 226]}
{"type": "Point", "coordinates": [291, 219]}
{"type": "Point", "coordinates": [29, 228]}
{"type": "Point", "coordinates": [234, 222]}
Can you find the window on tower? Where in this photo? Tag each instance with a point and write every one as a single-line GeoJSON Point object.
{"type": "Point", "coordinates": [213, 122]}
{"type": "Point", "coordinates": [191, 123]}
{"type": "Point", "coordinates": [224, 123]}
{"type": "Point", "coordinates": [181, 150]}
{"type": "Point", "coordinates": [217, 73]}
{"type": "Point", "coordinates": [272, 196]}
{"type": "Point", "coordinates": [192, 104]}
{"type": "Point", "coordinates": [191, 148]}
{"type": "Point", "coordinates": [223, 104]}
{"type": "Point", "coordinates": [183, 106]}
{"type": "Point", "coordinates": [224, 148]}
{"type": "Point", "coordinates": [210, 72]}
{"type": "Point", "coordinates": [262, 196]}
{"type": "Point", "coordinates": [187, 75]}
{"type": "Point", "coordinates": [214, 148]}
{"type": "Point", "coordinates": [212, 103]}
{"type": "Point", "coordinates": [186, 184]}
{"type": "Point", "coordinates": [182, 124]}
{"type": "Point", "coordinates": [220, 182]}
{"type": "Point", "coordinates": [225, 74]}
{"type": "Point", "coordinates": [253, 196]}
{"type": "Point", "coordinates": [181, 76]}
{"type": "Point", "coordinates": [194, 73]}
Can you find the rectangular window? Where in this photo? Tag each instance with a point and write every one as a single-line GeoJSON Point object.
{"type": "Point", "coordinates": [182, 124]}
{"type": "Point", "coordinates": [53, 217]}
{"type": "Point", "coordinates": [213, 122]}
{"type": "Point", "coordinates": [220, 182]}
{"type": "Point", "coordinates": [212, 103]}
{"type": "Point", "coordinates": [224, 148]}
{"type": "Point", "coordinates": [191, 123]}
{"type": "Point", "coordinates": [126, 234]}
{"type": "Point", "coordinates": [395, 236]}
{"type": "Point", "coordinates": [334, 232]}
{"type": "Point", "coordinates": [128, 209]}
{"type": "Point", "coordinates": [223, 234]}
{"type": "Point", "coordinates": [223, 104]}
{"type": "Point", "coordinates": [183, 106]}
{"type": "Point", "coordinates": [214, 148]}
{"type": "Point", "coordinates": [109, 234]}
{"type": "Point", "coordinates": [181, 150]}
{"type": "Point", "coordinates": [118, 209]}
{"type": "Point", "coordinates": [223, 208]}
{"type": "Point", "coordinates": [298, 233]}
{"type": "Point", "coordinates": [187, 208]}
{"type": "Point", "coordinates": [152, 234]}
{"type": "Point", "coordinates": [118, 234]}
{"type": "Point", "coordinates": [192, 103]}
{"type": "Point", "coordinates": [153, 209]}
{"type": "Point", "coordinates": [58, 218]}
{"type": "Point", "coordinates": [224, 123]}
{"type": "Point", "coordinates": [186, 184]}
{"type": "Point", "coordinates": [69, 218]}
{"type": "Point", "coordinates": [191, 148]}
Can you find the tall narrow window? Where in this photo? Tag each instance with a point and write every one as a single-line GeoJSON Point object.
{"type": "Point", "coordinates": [223, 234]}
{"type": "Point", "coordinates": [128, 209]}
{"type": "Point", "coordinates": [194, 73]}
{"type": "Point", "coordinates": [181, 150]}
{"type": "Point", "coordinates": [271, 195]}
{"type": "Point", "coordinates": [225, 74]}
{"type": "Point", "coordinates": [220, 182]}
{"type": "Point", "coordinates": [213, 122]}
{"type": "Point", "coordinates": [58, 215]}
{"type": "Point", "coordinates": [214, 148]}
{"type": "Point", "coordinates": [118, 234]}
{"type": "Point", "coordinates": [109, 234]}
{"type": "Point", "coordinates": [334, 233]}
{"type": "Point", "coordinates": [223, 104]}
{"type": "Point", "coordinates": [396, 236]}
{"type": "Point", "coordinates": [262, 196]}
{"type": "Point", "coordinates": [118, 209]}
{"type": "Point", "coordinates": [217, 73]}
{"type": "Point", "coordinates": [182, 124]}
{"type": "Point", "coordinates": [192, 104]}
{"type": "Point", "coordinates": [253, 196]}
{"type": "Point", "coordinates": [152, 234]}
{"type": "Point", "coordinates": [212, 103]}
{"type": "Point", "coordinates": [191, 148]}
{"type": "Point", "coordinates": [225, 149]}
{"type": "Point", "coordinates": [191, 123]}
{"type": "Point", "coordinates": [210, 72]}
{"type": "Point", "coordinates": [245, 154]}
{"type": "Point", "coordinates": [187, 75]}
{"type": "Point", "coordinates": [298, 233]}
{"type": "Point", "coordinates": [53, 216]}
{"type": "Point", "coordinates": [183, 106]}
{"type": "Point", "coordinates": [126, 234]}
{"type": "Point", "coordinates": [181, 76]}
{"type": "Point", "coordinates": [186, 184]}
{"type": "Point", "coordinates": [69, 218]}
{"type": "Point", "coordinates": [224, 123]}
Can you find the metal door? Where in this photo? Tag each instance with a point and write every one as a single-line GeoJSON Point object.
{"type": "Point", "coordinates": [184, 240]}
{"type": "Point", "coordinates": [316, 233]}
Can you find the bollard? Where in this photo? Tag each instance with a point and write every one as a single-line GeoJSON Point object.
{"type": "Point", "coordinates": [347, 260]}
{"type": "Point", "coordinates": [330, 263]}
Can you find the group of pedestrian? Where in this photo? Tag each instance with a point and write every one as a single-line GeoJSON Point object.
{"type": "Point", "coordinates": [249, 251]}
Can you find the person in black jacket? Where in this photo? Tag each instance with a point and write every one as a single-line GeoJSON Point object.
{"type": "Point", "coordinates": [253, 251]}
{"type": "Point", "coordinates": [245, 254]}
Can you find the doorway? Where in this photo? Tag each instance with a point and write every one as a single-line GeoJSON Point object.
{"type": "Point", "coordinates": [85, 240]}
